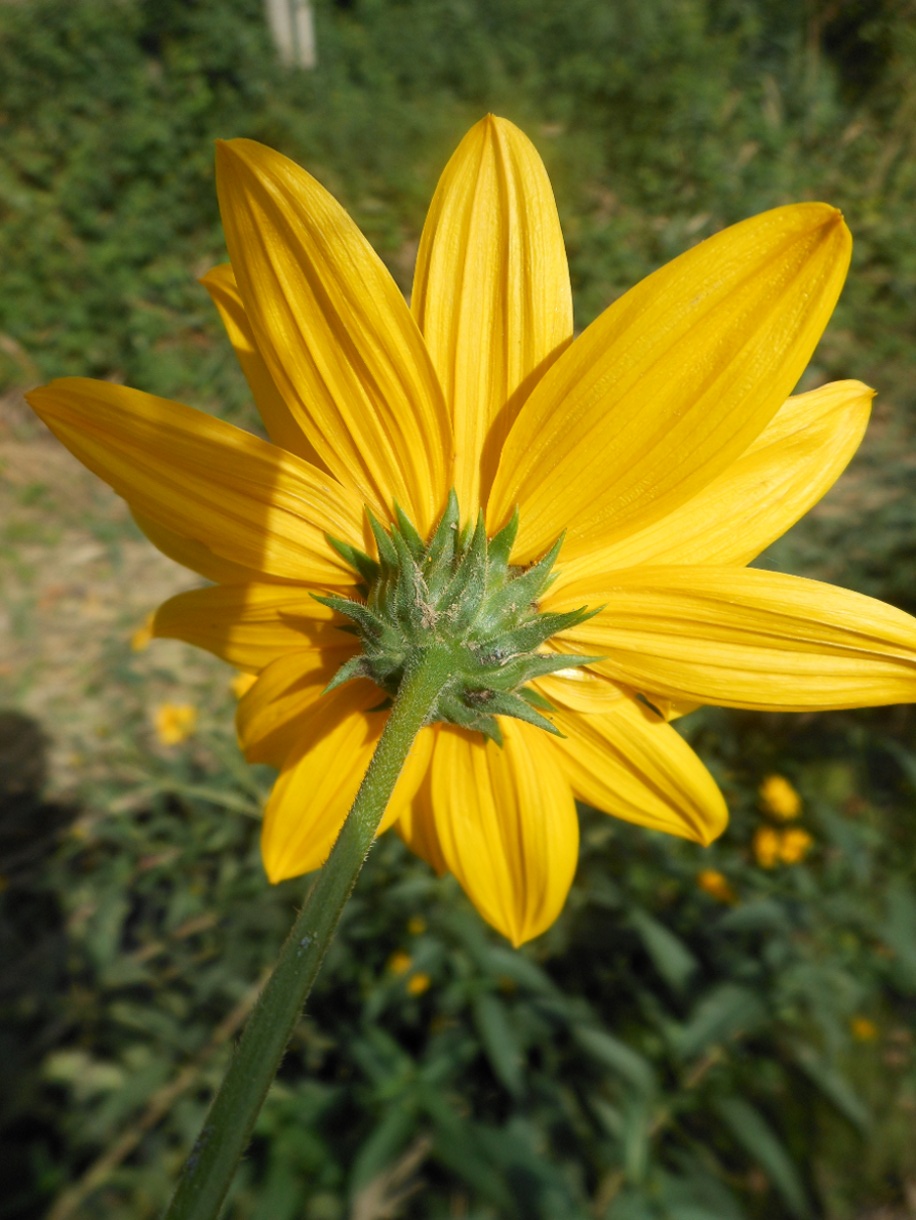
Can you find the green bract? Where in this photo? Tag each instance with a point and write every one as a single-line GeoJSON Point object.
{"type": "Point", "coordinates": [458, 592]}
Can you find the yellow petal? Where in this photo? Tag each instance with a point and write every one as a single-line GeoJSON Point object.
{"type": "Point", "coordinates": [672, 383]}
{"type": "Point", "coordinates": [579, 690]}
{"type": "Point", "coordinates": [279, 420]}
{"type": "Point", "coordinates": [416, 822]}
{"type": "Point", "coordinates": [317, 785]}
{"type": "Point", "coordinates": [275, 717]}
{"type": "Point", "coordinates": [633, 765]}
{"type": "Point", "coordinates": [242, 498]}
{"type": "Point", "coordinates": [671, 709]}
{"type": "Point", "coordinates": [335, 334]}
{"type": "Point", "coordinates": [491, 292]}
{"type": "Point", "coordinates": [507, 826]}
{"type": "Point", "coordinates": [413, 779]}
{"type": "Point", "coordinates": [319, 782]}
{"type": "Point", "coordinates": [254, 624]}
{"type": "Point", "coordinates": [792, 464]}
{"type": "Point", "coordinates": [740, 637]}
{"type": "Point", "coordinates": [194, 555]}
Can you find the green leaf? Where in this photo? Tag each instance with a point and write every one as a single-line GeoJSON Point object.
{"type": "Point", "coordinates": [499, 1042]}
{"type": "Point", "coordinates": [694, 1211]}
{"type": "Point", "coordinates": [514, 965]}
{"type": "Point", "coordinates": [755, 1135]}
{"type": "Point", "coordinates": [461, 1149]}
{"type": "Point", "coordinates": [764, 915]}
{"type": "Point", "coordinates": [635, 1138]}
{"type": "Point", "coordinates": [616, 1055]}
{"type": "Point", "coordinates": [834, 1087]}
{"type": "Point", "coordinates": [670, 956]}
{"type": "Point", "coordinates": [631, 1205]}
{"type": "Point", "coordinates": [609, 1116]}
{"type": "Point", "coordinates": [383, 1145]}
{"type": "Point", "coordinates": [723, 1013]}
{"type": "Point", "coordinates": [898, 931]}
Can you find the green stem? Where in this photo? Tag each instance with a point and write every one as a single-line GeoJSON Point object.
{"type": "Point", "coordinates": [224, 1136]}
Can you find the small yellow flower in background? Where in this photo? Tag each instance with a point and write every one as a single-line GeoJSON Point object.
{"type": "Point", "coordinates": [766, 846]}
{"type": "Point", "coordinates": [400, 962]}
{"type": "Point", "coordinates": [662, 444]}
{"type": "Point", "coordinates": [175, 722]}
{"type": "Point", "coordinates": [794, 845]}
{"type": "Point", "coordinates": [416, 925]}
{"type": "Point", "coordinates": [242, 683]}
{"type": "Point", "coordinates": [779, 799]}
{"type": "Point", "coordinates": [772, 846]}
{"type": "Point", "coordinates": [863, 1030]}
{"type": "Point", "coordinates": [143, 636]}
{"type": "Point", "coordinates": [717, 886]}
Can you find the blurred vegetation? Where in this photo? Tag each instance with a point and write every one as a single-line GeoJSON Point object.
{"type": "Point", "coordinates": [664, 1053]}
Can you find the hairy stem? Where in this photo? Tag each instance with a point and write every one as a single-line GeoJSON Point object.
{"type": "Point", "coordinates": [209, 1169]}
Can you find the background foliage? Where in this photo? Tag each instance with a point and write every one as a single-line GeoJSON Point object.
{"type": "Point", "coordinates": [663, 1053]}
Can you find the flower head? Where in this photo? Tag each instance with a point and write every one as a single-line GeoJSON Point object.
{"type": "Point", "coordinates": [863, 1029]}
{"type": "Point", "coordinates": [141, 639]}
{"type": "Point", "coordinates": [717, 886]}
{"type": "Point", "coordinates": [175, 722]}
{"type": "Point", "coordinates": [794, 845]}
{"type": "Point", "coordinates": [766, 846]}
{"type": "Point", "coordinates": [779, 799]}
{"type": "Point", "coordinates": [661, 444]}
{"type": "Point", "coordinates": [772, 846]}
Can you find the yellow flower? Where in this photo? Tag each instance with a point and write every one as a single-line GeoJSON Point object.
{"type": "Point", "coordinates": [779, 798]}
{"type": "Point", "coordinates": [772, 847]}
{"type": "Point", "coordinates": [418, 983]}
{"type": "Point", "coordinates": [717, 886]}
{"type": "Point", "coordinates": [143, 636]}
{"type": "Point", "coordinates": [400, 962]}
{"type": "Point", "coordinates": [794, 845]}
{"type": "Point", "coordinates": [863, 1030]}
{"type": "Point", "coordinates": [767, 842]}
{"type": "Point", "coordinates": [175, 722]}
{"type": "Point", "coordinates": [416, 925]}
{"type": "Point", "coordinates": [662, 441]}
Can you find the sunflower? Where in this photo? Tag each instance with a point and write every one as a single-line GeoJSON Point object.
{"type": "Point", "coordinates": [661, 444]}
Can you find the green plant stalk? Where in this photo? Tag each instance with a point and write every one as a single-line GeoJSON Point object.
{"type": "Point", "coordinates": [224, 1136]}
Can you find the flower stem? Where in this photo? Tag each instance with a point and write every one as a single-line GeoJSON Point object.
{"type": "Point", "coordinates": [224, 1136]}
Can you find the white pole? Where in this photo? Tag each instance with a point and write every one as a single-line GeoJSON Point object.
{"type": "Point", "coordinates": [292, 27]}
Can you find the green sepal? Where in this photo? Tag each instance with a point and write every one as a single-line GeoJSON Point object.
{"type": "Point", "coordinates": [386, 549]}
{"type": "Point", "coordinates": [458, 593]}
{"type": "Point", "coordinates": [358, 560]}
{"type": "Point", "coordinates": [524, 590]}
{"type": "Point", "coordinates": [463, 596]}
{"type": "Point", "coordinates": [415, 543]}
{"type": "Point", "coordinates": [535, 632]}
{"type": "Point", "coordinates": [366, 621]}
{"type": "Point", "coordinates": [470, 712]}
{"type": "Point", "coordinates": [503, 703]}
{"type": "Point", "coordinates": [489, 726]}
{"type": "Point", "coordinates": [441, 549]}
{"type": "Point", "coordinates": [526, 667]}
{"type": "Point", "coordinates": [356, 667]}
{"type": "Point", "coordinates": [411, 590]}
{"type": "Point", "coordinates": [536, 699]}
{"type": "Point", "coordinates": [501, 543]}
